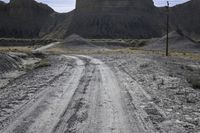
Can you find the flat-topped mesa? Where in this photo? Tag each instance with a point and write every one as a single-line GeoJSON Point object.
{"type": "Point", "coordinates": [116, 19]}
{"type": "Point", "coordinates": [110, 5]}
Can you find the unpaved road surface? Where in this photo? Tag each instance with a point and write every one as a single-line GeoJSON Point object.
{"type": "Point", "coordinates": [76, 94]}
{"type": "Point", "coordinates": [82, 94]}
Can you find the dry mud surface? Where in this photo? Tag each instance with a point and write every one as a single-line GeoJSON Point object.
{"type": "Point", "coordinates": [115, 93]}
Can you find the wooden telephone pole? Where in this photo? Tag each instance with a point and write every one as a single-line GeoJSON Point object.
{"type": "Point", "coordinates": [167, 40]}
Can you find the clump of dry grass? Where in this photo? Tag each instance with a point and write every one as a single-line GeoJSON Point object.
{"type": "Point", "coordinates": [136, 42]}
{"type": "Point", "coordinates": [194, 81]}
{"type": "Point", "coordinates": [42, 63]}
{"type": "Point", "coordinates": [129, 42]}
{"type": "Point", "coordinates": [16, 49]}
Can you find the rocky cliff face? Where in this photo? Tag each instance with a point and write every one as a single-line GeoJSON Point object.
{"type": "Point", "coordinates": [97, 19]}
{"type": "Point", "coordinates": [23, 18]}
{"type": "Point", "coordinates": [112, 5]}
{"type": "Point", "coordinates": [116, 19]}
{"type": "Point", "coordinates": [3, 9]}
{"type": "Point", "coordinates": [2, 4]}
{"type": "Point", "coordinates": [28, 8]}
{"type": "Point", "coordinates": [187, 18]}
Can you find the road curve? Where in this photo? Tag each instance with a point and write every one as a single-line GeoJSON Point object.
{"type": "Point", "coordinates": [90, 99]}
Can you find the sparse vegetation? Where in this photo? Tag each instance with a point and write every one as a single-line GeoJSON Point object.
{"type": "Point", "coordinates": [136, 42]}
{"type": "Point", "coordinates": [189, 68]}
{"type": "Point", "coordinates": [24, 49]}
{"type": "Point", "coordinates": [39, 55]}
{"type": "Point", "coordinates": [194, 81]}
{"type": "Point", "coordinates": [128, 42]}
{"type": "Point", "coordinates": [24, 42]}
{"type": "Point", "coordinates": [42, 63]}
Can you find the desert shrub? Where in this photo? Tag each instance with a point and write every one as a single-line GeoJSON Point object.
{"type": "Point", "coordinates": [42, 63]}
{"type": "Point", "coordinates": [194, 81]}
{"type": "Point", "coordinates": [141, 43]}
{"type": "Point", "coordinates": [190, 68]}
{"type": "Point", "coordinates": [145, 65]}
{"type": "Point", "coordinates": [39, 54]}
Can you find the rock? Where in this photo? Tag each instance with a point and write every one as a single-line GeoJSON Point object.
{"type": "Point", "coordinates": [97, 19]}
{"type": "Point", "coordinates": [116, 19]}
{"type": "Point", "coordinates": [189, 10]}
{"type": "Point", "coordinates": [192, 98]}
{"type": "Point", "coordinates": [8, 63]}
{"type": "Point", "coordinates": [23, 18]}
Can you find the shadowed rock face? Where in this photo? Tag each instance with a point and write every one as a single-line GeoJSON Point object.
{"type": "Point", "coordinates": [28, 8]}
{"type": "Point", "coordinates": [3, 8]}
{"type": "Point", "coordinates": [23, 18]}
{"type": "Point", "coordinates": [187, 17]}
{"type": "Point", "coordinates": [116, 19]}
{"type": "Point", "coordinates": [129, 19]}
{"type": "Point", "coordinates": [112, 5]}
{"type": "Point", "coordinates": [97, 19]}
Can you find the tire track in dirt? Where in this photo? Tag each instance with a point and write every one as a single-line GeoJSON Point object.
{"type": "Point", "coordinates": [75, 116]}
{"type": "Point", "coordinates": [21, 94]}
{"type": "Point", "coordinates": [117, 112]}
{"type": "Point", "coordinates": [143, 102]}
{"type": "Point", "coordinates": [92, 100]}
{"type": "Point", "coordinates": [101, 108]}
{"type": "Point", "coordinates": [42, 114]}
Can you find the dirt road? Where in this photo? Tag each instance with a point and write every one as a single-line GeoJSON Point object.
{"type": "Point", "coordinates": [78, 94]}
{"type": "Point", "coordinates": [115, 93]}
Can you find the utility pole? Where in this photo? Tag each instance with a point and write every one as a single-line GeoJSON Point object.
{"type": "Point", "coordinates": [167, 40]}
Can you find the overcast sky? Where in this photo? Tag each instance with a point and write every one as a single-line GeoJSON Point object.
{"type": "Point", "coordinates": [68, 5]}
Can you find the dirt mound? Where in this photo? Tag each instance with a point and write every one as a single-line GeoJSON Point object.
{"type": "Point", "coordinates": [9, 62]}
{"type": "Point", "coordinates": [75, 39]}
{"type": "Point", "coordinates": [77, 42]}
{"type": "Point", "coordinates": [177, 42]}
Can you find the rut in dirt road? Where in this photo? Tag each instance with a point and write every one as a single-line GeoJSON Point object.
{"type": "Point", "coordinates": [100, 105]}
{"type": "Point", "coordinates": [88, 100]}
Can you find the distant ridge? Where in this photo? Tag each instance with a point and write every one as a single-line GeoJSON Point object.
{"type": "Point", "coordinates": [178, 41]}
{"type": "Point", "coordinates": [23, 18]}
{"type": "Point", "coordinates": [97, 19]}
{"type": "Point", "coordinates": [129, 19]}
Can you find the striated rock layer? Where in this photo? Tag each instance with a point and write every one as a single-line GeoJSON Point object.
{"type": "Point", "coordinates": [186, 17]}
{"type": "Point", "coordinates": [97, 19]}
{"type": "Point", "coordinates": [116, 19]}
{"type": "Point", "coordinates": [23, 18]}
